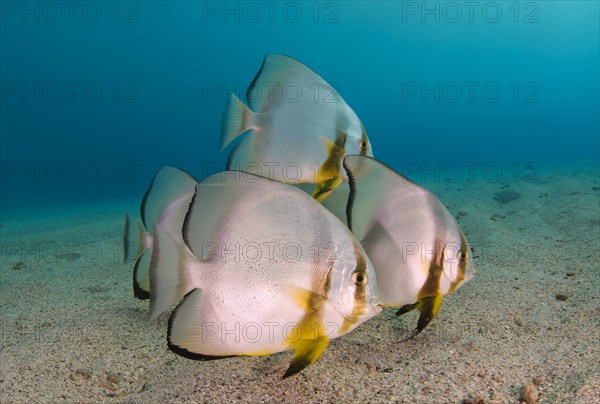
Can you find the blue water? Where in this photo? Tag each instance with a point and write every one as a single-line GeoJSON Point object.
{"type": "Point", "coordinates": [97, 96]}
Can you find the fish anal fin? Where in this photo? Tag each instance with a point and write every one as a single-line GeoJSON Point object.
{"type": "Point", "coordinates": [195, 356]}
{"type": "Point", "coordinates": [141, 276]}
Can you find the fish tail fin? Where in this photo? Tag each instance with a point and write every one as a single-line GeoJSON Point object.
{"type": "Point", "coordinates": [133, 239]}
{"type": "Point", "coordinates": [136, 245]}
{"type": "Point", "coordinates": [171, 272]}
{"type": "Point", "coordinates": [235, 121]}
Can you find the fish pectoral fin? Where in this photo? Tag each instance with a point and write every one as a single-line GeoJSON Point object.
{"type": "Point", "coordinates": [307, 351]}
{"type": "Point", "coordinates": [406, 308]}
{"type": "Point", "coordinates": [429, 308]}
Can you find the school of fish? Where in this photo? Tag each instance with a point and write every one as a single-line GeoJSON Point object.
{"type": "Point", "coordinates": [302, 239]}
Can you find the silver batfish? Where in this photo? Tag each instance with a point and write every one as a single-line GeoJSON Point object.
{"type": "Point", "coordinates": [416, 246]}
{"type": "Point", "coordinates": [299, 127]}
{"type": "Point", "coordinates": [268, 269]}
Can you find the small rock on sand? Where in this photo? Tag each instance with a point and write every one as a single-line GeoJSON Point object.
{"type": "Point", "coordinates": [506, 196]}
{"type": "Point", "coordinates": [528, 394]}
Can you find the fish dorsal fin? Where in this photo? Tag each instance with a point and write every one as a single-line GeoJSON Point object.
{"type": "Point", "coordinates": [278, 73]}
{"type": "Point", "coordinates": [373, 184]}
{"type": "Point", "coordinates": [168, 186]}
{"type": "Point", "coordinates": [208, 211]}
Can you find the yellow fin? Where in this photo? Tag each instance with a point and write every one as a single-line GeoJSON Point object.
{"type": "Point", "coordinates": [307, 351]}
{"type": "Point", "coordinates": [429, 308]}
{"type": "Point", "coordinates": [308, 338]}
{"type": "Point", "coordinates": [325, 188]}
{"type": "Point", "coordinates": [328, 177]}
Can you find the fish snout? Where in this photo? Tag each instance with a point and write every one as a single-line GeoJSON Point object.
{"type": "Point", "coordinates": [470, 271]}
{"type": "Point", "coordinates": [377, 302]}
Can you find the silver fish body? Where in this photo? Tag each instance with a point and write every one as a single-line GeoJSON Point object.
{"type": "Point", "coordinates": [300, 127]}
{"type": "Point", "coordinates": [166, 202]}
{"type": "Point", "coordinates": [268, 270]}
{"type": "Point", "coordinates": [419, 251]}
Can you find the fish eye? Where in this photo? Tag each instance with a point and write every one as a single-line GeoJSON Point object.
{"type": "Point", "coordinates": [363, 144]}
{"type": "Point", "coordinates": [462, 255]}
{"type": "Point", "coordinates": [359, 278]}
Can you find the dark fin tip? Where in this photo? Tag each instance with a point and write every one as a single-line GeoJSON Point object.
{"type": "Point", "coordinates": [295, 367]}
{"type": "Point", "coordinates": [187, 220]}
{"type": "Point", "coordinates": [145, 200]}
{"type": "Point", "coordinates": [147, 195]}
{"type": "Point", "coordinates": [322, 190]}
{"type": "Point", "coordinates": [424, 320]}
{"type": "Point", "coordinates": [406, 308]}
{"type": "Point", "coordinates": [351, 195]}
{"type": "Point", "coordinates": [253, 84]}
{"type": "Point", "coordinates": [195, 356]}
{"type": "Point", "coordinates": [138, 292]}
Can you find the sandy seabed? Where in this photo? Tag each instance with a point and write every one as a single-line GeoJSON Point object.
{"type": "Point", "coordinates": [70, 329]}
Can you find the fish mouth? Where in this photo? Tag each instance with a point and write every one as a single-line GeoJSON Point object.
{"type": "Point", "coordinates": [377, 302]}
